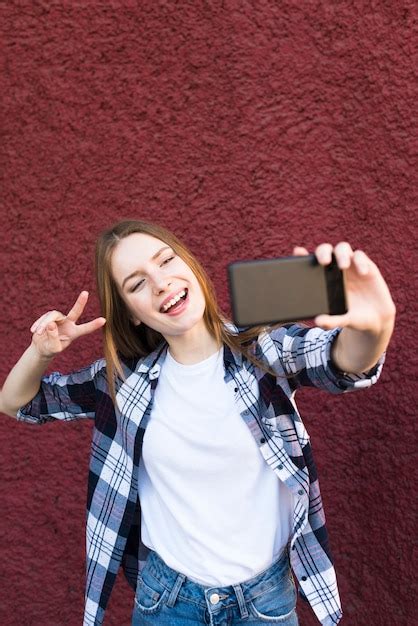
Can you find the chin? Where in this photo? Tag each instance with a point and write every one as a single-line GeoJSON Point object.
{"type": "Point", "coordinates": [187, 325]}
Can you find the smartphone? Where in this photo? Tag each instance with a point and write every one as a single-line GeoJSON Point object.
{"type": "Point", "coordinates": [285, 289]}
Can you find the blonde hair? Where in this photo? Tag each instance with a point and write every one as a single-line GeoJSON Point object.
{"type": "Point", "coordinates": [122, 338]}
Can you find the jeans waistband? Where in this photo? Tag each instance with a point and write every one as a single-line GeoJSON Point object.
{"type": "Point", "coordinates": [180, 586]}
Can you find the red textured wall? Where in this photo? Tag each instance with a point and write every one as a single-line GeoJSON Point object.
{"type": "Point", "coordinates": [246, 127]}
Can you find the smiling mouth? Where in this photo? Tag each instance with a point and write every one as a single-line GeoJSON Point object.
{"type": "Point", "coordinates": [175, 302]}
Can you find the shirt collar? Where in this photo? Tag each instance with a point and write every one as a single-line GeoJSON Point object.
{"type": "Point", "coordinates": [152, 363]}
{"type": "Point", "coordinates": [232, 357]}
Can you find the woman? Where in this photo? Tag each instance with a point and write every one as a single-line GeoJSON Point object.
{"type": "Point", "coordinates": [197, 421]}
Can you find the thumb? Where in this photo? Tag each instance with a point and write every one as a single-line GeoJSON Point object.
{"type": "Point", "coordinates": [52, 330]}
{"type": "Point", "coordinates": [53, 338]}
{"type": "Point", "coordinates": [331, 321]}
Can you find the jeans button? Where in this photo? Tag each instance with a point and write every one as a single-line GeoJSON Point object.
{"type": "Point", "coordinates": [214, 598]}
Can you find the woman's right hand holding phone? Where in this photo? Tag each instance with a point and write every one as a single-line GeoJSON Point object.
{"type": "Point", "coordinates": [54, 331]}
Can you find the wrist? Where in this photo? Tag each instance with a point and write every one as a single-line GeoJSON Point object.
{"type": "Point", "coordinates": [357, 351]}
{"type": "Point", "coordinates": [384, 328]}
{"type": "Point", "coordinates": [42, 359]}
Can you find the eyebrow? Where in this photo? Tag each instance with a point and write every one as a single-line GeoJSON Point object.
{"type": "Point", "coordinates": [155, 256]}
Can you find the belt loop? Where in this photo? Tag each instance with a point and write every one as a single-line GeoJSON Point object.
{"type": "Point", "coordinates": [175, 590]}
{"type": "Point", "coordinates": [241, 600]}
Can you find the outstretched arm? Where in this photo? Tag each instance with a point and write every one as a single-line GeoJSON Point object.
{"type": "Point", "coordinates": [51, 334]}
{"type": "Point", "coordinates": [23, 381]}
{"type": "Point", "coordinates": [369, 322]}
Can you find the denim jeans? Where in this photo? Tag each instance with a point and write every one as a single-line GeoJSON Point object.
{"type": "Point", "coordinates": [165, 597]}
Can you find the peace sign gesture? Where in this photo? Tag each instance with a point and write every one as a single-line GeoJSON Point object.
{"type": "Point", "coordinates": [53, 331]}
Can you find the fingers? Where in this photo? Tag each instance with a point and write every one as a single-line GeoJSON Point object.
{"type": "Point", "coordinates": [362, 262]}
{"type": "Point", "coordinates": [342, 251]}
{"type": "Point", "coordinates": [78, 307]}
{"type": "Point", "coordinates": [344, 256]}
{"type": "Point", "coordinates": [36, 323]}
{"type": "Point", "coordinates": [47, 321]}
{"type": "Point", "coordinates": [73, 315]}
{"type": "Point", "coordinates": [90, 327]}
{"type": "Point", "coordinates": [300, 251]}
{"type": "Point", "coordinates": [52, 332]}
{"type": "Point", "coordinates": [48, 342]}
{"type": "Point", "coordinates": [41, 323]}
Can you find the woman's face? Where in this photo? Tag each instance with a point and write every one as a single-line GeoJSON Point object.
{"type": "Point", "coordinates": [150, 276]}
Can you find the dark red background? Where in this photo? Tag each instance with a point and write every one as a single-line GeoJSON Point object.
{"type": "Point", "coordinates": [246, 127]}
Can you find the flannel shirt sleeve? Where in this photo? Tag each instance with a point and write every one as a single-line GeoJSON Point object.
{"type": "Point", "coordinates": [304, 354]}
{"type": "Point", "coordinates": [64, 396]}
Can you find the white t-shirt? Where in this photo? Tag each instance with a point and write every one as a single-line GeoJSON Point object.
{"type": "Point", "coordinates": [211, 506]}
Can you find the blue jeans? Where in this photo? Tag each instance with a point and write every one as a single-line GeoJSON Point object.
{"type": "Point", "coordinates": [164, 597]}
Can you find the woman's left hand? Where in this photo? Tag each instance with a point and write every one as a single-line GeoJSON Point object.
{"type": "Point", "coordinates": [369, 303]}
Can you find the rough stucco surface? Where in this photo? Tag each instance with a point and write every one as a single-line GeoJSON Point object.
{"type": "Point", "coordinates": [247, 127]}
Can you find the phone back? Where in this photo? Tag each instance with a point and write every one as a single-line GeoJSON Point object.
{"type": "Point", "coordinates": [279, 290]}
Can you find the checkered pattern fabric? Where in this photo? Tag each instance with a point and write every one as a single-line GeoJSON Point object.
{"type": "Point", "coordinates": [299, 356]}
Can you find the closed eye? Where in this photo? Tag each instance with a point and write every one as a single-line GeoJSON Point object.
{"type": "Point", "coordinates": [135, 287]}
{"type": "Point", "coordinates": [138, 284]}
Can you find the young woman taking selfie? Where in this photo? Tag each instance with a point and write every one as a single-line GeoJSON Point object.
{"type": "Point", "coordinates": [202, 483]}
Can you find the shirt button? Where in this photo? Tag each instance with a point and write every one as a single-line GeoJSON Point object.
{"type": "Point", "coordinates": [280, 466]}
{"type": "Point", "coordinates": [262, 440]}
{"type": "Point", "coordinates": [304, 578]}
{"type": "Point", "coordinates": [300, 492]}
{"type": "Point", "coordinates": [214, 598]}
{"type": "Point", "coordinates": [236, 389]}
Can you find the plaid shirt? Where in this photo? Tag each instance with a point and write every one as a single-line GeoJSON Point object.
{"type": "Point", "coordinates": [267, 406]}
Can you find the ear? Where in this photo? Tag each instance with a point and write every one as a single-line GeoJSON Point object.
{"type": "Point", "coordinates": [135, 321]}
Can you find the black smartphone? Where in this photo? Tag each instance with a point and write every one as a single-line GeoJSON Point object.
{"type": "Point", "coordinates": [286, 289]}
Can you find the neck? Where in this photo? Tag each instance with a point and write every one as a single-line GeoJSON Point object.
{"type": "Point", "coordinates": [192, 347]}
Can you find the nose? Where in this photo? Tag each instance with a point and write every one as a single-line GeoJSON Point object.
{"type": "Point", "coordinates": [160, 283]}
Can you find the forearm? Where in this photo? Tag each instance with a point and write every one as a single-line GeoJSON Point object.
{"type": "Point", "coordinates": [357, 351]}
{"type": "Point", "coordinates": [23, 381]}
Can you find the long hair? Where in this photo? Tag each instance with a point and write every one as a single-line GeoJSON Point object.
{"type": "Point", "coordinates": [122, 338]}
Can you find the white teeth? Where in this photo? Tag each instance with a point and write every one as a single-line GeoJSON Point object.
{"type": "Point", "coordinates": [174, 300]}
